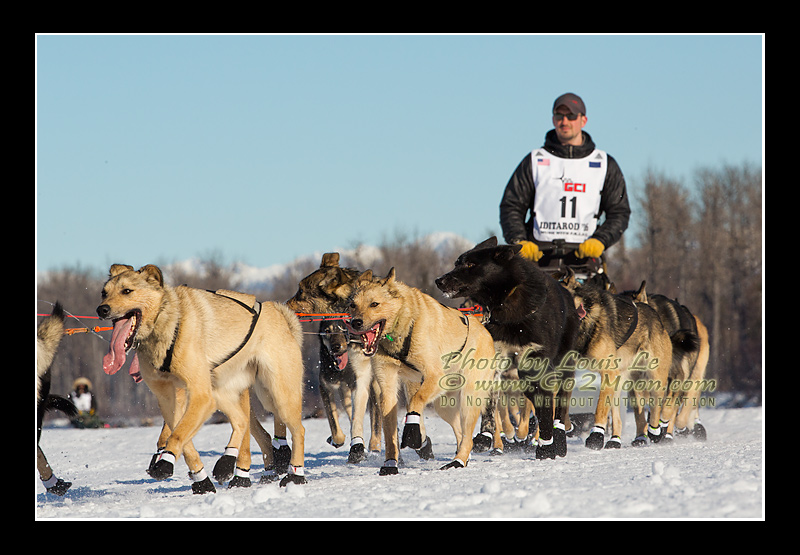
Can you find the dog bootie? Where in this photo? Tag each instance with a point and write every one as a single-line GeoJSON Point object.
{"type": "Point", "coordinates": [163, 467]}
{"type": "Point", "coordinates": [699, 432]}
{"type": "Point", "coordinates": [426, 451]}
{"type": "Point", "coordinates": [614, 443]}
{"type": "Point", "coordinates": [455, 463]}
{"type": "Point", "coordinates": [56, 485]}
{"type": "Point", "coordinates": [389, 468]}
{"type": "Point", "coordinates": [281, 454]}
{"type": "Point", "coordinates": [226, 465]}
{"type": "Point", "coordinates": [201, 483]}
{"type": "Point", "coordinates": [296, 475]}
{"type": "Point", "coordinates": [412, 434]}
{"type": "Point", "coordinates": [482, 442]}
{"type": "Point", "coordinates": [560, 439]}
{"type": "Point", "coordinates": [357, 453]}
{"type": "Point", "coordinates": [597, 438]}
{"type": "Point", "coordinates": [241, 479]}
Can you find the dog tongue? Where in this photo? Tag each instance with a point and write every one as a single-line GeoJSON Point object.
{"type": "Point", "coordinates": [342, 360]}
{"type": "Point", "coordinates": [115, 358]}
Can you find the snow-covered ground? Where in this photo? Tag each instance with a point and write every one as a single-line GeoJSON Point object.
{"type": "Point", "coordinates": [720, 478]}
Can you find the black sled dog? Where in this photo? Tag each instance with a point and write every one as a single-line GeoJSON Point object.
{"type": "Point", "coordinates": [533, 322]}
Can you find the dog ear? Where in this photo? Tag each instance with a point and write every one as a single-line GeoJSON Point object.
{"type": "Point", "coordinates": [118, 269]}
{"type": "Point", "coordinates": [343, 291]}
{"type": "Point", "coordinates": [569, 280]}
{"type": "Point", "coordinates": [641, 294]}
{"type": "Point", "coordinates": [390, 277]}
{"type": "Point", "coordinates": [329, 259]}
{"type": "Point", "coordinates": [490, 242]}
{"type": "Point", "coordinates": [365, 277]}
{"type": "Point", "coordinates": [152, 273]}
{"type": "Point", "coordinates": [504, 253]}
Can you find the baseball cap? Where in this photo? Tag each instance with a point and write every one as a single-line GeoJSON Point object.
{"type": "Point", "coordinates": [571, 101]}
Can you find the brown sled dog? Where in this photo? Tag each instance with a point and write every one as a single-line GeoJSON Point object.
{"type": "Point", "coordinates": [689, 360]}
{"type": "Point", "coordinates": [49, 333]}
{"type": "Point", "coordinates": [628, 346]}
{"type": "Point", "coordinates": [343, 368]}
{"type": "Point", "coordinates": [444, 353]}
{"type": "Point", "coordinates": [199, 351]}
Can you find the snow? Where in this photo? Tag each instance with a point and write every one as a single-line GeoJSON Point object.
{"type": "Point", "coordinates": [721, 478]}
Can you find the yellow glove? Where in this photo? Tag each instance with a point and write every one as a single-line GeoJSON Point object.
{"type": "Point", "coordinates": [591, 248]}
{"type": "Point", "coordinates": [530, 250]}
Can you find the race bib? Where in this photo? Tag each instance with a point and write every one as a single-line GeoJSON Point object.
{"type": "Point", "coordinates": [567, 202]}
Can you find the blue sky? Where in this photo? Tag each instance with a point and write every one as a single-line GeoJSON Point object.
{"type": "Point", "coordinates": [261, 149]}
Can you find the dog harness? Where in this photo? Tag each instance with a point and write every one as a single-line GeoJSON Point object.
{"type": "Point", "coordinates": [402, 356]}
{"type": "Point", "coordinates": [634, 322]}
{"type": "Point", "coordinates": [255, 310]}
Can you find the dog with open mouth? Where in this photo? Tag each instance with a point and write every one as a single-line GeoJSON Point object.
{"type": "Point", "coordinates": [337, 379]}
{"type": "Point", "coordinates": [203, 350]}
{"type": "Point", "coordinates": [326, 290]}
{"type": "Point", "coordinates": [442, 354]}
{"type": "Point", "coordinates": [534, 324]}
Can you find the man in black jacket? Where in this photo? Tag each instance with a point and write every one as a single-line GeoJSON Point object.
{"type": "Point", "coordinates": [566, 185]}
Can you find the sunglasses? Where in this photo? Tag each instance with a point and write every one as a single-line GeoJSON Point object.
{"type": "Point", "coordinates": [570, 116]}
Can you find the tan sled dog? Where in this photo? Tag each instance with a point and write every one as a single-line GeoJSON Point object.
{"type": "Point", "coordinates": [49, 333]}
{"type": "Point", "coordinates": [690, 352]}
{"type": "Point", "coordinates": [201, 351]}
{"type": "Point", "coordinates": [626, 343]}
{"type": "Point", "coordinates": [440, 349]}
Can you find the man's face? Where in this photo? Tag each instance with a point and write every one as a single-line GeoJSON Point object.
{"type": "Point", "coordinates": [568, 131]}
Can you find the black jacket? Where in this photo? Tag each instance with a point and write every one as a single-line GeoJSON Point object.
{"type": "Point", "coordinates": [518, 197]}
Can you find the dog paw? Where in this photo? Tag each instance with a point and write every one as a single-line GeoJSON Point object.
{"type": "Point", "coordinates": [546, 451]}
{"type": "Point", "coordinates": [153, 461]}
{"type": "Point", "coordinates": [356, 454]}
{"type": "Point", "coordinates": [639, 441]}
{"type": "Point", "coordinates": [654, 434]}
{"type": "Point", "coordinates": [281, 457]}
{"type": "Point", "coordinates": [163, 467]}
{"type": "Point", "coordinates": [203, 486]}
{"type": "Point", "coordinates": [224, 469]}
{"type": "Point", "coordinates": [426, 451]}
{"type": "Point", "coordinates": [614, 443]}
{"type": "Point", "coordinates": [560, 441]}
{"type": "Point", "coordinates": [389, 468]}
{"type": "Point", "coordinates": [412, 434]}
{"type": "Point", "coordinates": [59, 487]}
{"type": "Point", "coordinates": [482, 442]}
{"type": "Point", "coordinates": [699, 432]}
{"type": "Point", "coordinates": [268, 476]}
{"type": "Point", "coordinates": [336, 444]}
{"type": "Point", "coordinates": [294, 477]}
{"type": "Point", "coordinates": [596, 439]}
{"type": "Point", "coordinates": [239, 482]}
{"type": "Point", "coordinates": [455, 463]}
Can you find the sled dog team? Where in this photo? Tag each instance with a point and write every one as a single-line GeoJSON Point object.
{"type": "Point", "coordinates": [200, 351]}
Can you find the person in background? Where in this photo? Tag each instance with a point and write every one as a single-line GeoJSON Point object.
{"type": "Point", "coordinates": [86, 403]}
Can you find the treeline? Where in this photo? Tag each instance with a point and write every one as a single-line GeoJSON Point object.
{"type": "Point", "coordinates": [699, 242]}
